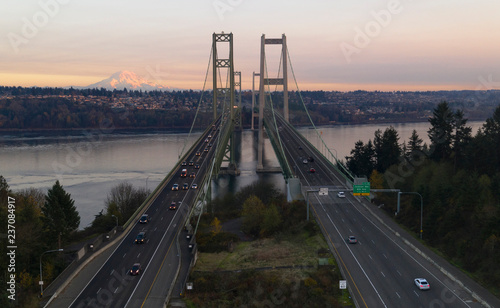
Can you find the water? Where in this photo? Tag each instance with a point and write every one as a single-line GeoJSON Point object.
{"type": "Point", "coordinates": [89, 164]}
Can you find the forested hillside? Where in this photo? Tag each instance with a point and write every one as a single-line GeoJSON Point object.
{"type": "Point", "coordinates": [458, 177]}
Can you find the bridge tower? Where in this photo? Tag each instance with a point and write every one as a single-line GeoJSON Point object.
{"type": "Point", "coordinates": [254, 114]}
{"type": "Point", "coordinates": [265, 81]}
{"type": "Point", "coordinates": [221, 92]}
{"type": "Point", "coordinates": [238, 125]}
{"type": "Point", "coordinates": [224, 94]}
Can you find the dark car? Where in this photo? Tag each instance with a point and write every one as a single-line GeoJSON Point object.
{"type": "Point", "coordinates": [185, 186]}
{"type": "Point", "coordinates": [184, 163]}
{"type": "Point", "coordinates": [192, 175]}
{"type": "Point", "coordinates": [206, 150]}
{"type": "Point", "coordinates": [310, 159]}
{"type": "Point", "coordinates": [198, 153]}
{"type": "Point", "coordinates": [191, 163]}
{"type": "Point", "coordinates": [144, 219]}
{"type": "Point", "coordinates": [173, 206]}
{"type": "Point", "coordinates": [197, 166]}
{"type": "Point", "coordinates": [141, 238]}
{"type": "Point", "coordinates": [136, 269]}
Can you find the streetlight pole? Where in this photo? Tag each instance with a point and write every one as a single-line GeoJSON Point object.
{"type": "Point", "coordinates": [41, 279]}
{"type": "Point", "coordinates": [421, 207]}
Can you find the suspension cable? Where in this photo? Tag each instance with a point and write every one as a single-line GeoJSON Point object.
{"type": "Point", "coordinates": [314, 126]}
{"type": "Point", "coordinates": [199, 104]}
{"type": "Point", "coordinates": [274, 116]}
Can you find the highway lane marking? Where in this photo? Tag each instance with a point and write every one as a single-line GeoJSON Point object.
{"type": "Point", "coordinates": [118, 245]}
{"type": "Point", "coordinates": [328, 167]}
{"type": "Point", "coordinates": [98, 290]}
{"type": "Point", "coordinates": [416, 293]}
{"type": "Point", "coordinates": [116, 290]}
{"type": "Point", "coordinates": [373, 242]}
{"type": "Point", "coordinates": [399, 273]}
{"type": "Point", "coordinates": [385, 256]}
{"type": "Point", "coordinates": [124, 255]}
{"type": "Point", "coordinates": [341, 260]}
{"type": "Point", "coordinates": [110, 274]}
{"type": "Point", "coordinates": [338, 254]}
{"type": "Point", "coordinates": [398, 294]}
{"type": "Point", "coordinates": [163, 261]}
{"type": "Point", "coordinates": [150, 260]}
{"type": "Point", "coordinates": [382, 273]}
{"type": "Point", "coordinates": [413, 258]}
{"type": "Point", "coordinates": [370, 257]}
{"type": "Point", "coordinates": [356, 259]}
{"type": "Point", "coordinates": [138, 255]}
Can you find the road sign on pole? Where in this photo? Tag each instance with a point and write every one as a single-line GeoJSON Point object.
{"type": "Point", "coordinates": [343, 284]}
{"type": "Point", "coordinates": [361, 189]}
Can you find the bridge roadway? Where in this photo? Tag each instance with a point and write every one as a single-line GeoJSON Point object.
{"type": "Point", "coordinates": [380, 268]}
{"type": "Point", "coordinates": [112, 285]}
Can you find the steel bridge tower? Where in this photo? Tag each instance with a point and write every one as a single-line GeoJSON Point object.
{"type": "Point", "coordinates": [265, 81]}
{"type": "Point", "coordinates": [225, 96]}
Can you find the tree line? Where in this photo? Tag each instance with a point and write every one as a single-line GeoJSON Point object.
{"type": "Point", "coordinates": [60, 108]}
{"type": "Point", "coordinates": [458, 176]}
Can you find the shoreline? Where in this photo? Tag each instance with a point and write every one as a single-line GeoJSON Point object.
{"type": "Point", "coordinates": [181, 130]}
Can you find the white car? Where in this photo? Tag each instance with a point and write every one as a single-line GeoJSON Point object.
{"type": "Point", "coordinates": [341, 194]}
{"type": "Point", "coordinates": [422, 284]}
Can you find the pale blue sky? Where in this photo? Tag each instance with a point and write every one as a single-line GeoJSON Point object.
{"type": "Point", "coordinates": [407, 45]}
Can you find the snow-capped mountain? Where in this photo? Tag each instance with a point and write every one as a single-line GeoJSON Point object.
{"type": "Point", "coordinates": [129, 80]}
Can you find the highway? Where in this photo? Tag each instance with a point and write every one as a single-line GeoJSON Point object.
{"type": "Point", "coordinates": [112, 285]}
{"type": "Point", "coordinates": [380, 269]}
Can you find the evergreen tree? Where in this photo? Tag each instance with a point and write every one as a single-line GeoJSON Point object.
{"type": "Point", "coordinates": [414, 146]}
{"type": "Point", "coordinates": [387, 150]}
{"type": "Point", "coordinates": [461, 138]}
{"type": "Point", "coordinates": [440, 133]}
{"type": "Point", "coordinates": [491, 130]}
{"type": "Point", "coordinates": [362, 159]}
{"type": "Point", "coordinates": [60, 217]}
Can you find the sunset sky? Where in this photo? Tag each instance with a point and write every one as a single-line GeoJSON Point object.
{"type": "Point", "coordinates": [333, 45]}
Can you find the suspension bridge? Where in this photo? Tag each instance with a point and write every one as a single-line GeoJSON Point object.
{"type": "Point", "coordinates": [379, 270]}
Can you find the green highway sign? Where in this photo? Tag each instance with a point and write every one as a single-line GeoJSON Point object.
{"type": "Point", "coordinates": [361, 189]}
